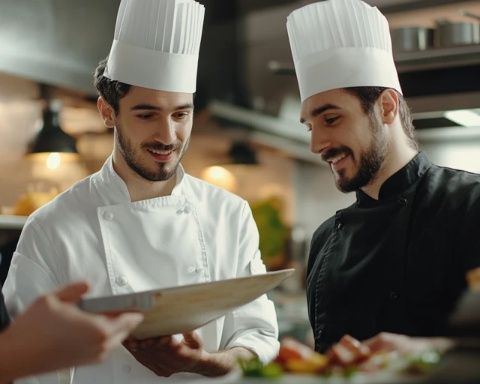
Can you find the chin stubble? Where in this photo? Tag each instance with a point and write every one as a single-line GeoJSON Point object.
{"type": "Point", "coordinates": [162, 173]}
{"type": "Point", "coordinates": [371, 160]}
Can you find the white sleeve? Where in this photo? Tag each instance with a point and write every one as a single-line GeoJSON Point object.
{"type": "Point", "coordinates": [252, 326]}
{"type": "Point", "coordinates": [30, 274]}
{"type": "Point", "coordinates": [49, 378]}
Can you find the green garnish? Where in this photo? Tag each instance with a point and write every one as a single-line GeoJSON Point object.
{"type": "Point", "coordinates": [423, 362]}
{"type": "Point", "coordinates": [255, 368]}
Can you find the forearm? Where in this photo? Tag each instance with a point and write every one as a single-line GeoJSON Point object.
{"type": "Point", "coordinates": [442, 344]}
{"type": "Point", "coordinates": [220, 363]}
{"type": "Point", "coordinates": [14, 362]}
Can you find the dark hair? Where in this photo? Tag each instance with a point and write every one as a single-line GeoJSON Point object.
{"type": "Point", "coordinates": [369, 95]}
{"type": "Point", "coordinates": [111, 90]}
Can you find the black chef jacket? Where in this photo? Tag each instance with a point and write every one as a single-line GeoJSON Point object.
{"type": "Point", "coordinates": [396, 264]}
{"type": "Point", "coordinates": [4, 319]}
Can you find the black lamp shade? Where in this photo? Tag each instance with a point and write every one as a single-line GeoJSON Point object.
{"type": "Point", "coordinates": [242, 153]}
{"type": "Point", "coordinates": [51, 137]}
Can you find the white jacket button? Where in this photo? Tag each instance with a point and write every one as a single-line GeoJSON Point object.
{"type": "Point", "coordinates": [121, 281]}
{"type": "Point", "coordinates": [109, 216]}
{"type": "Point", "coordinates": [191, 269]}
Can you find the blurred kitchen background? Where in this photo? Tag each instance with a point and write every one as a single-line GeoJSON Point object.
{"type": "Point", "coordinates": [246, 136]}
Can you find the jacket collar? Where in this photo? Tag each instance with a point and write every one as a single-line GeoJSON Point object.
{"type": "Point", "coordinates": [399, 182]}
{"type": "Point", "coordinates": [111, 185]}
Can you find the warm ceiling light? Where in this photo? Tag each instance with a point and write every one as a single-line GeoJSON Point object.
{"type": "Point", "coordinates": [220, 177]}
{"type": "Point", "coordinates": [53, 160]}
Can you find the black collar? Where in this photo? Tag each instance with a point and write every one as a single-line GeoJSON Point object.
{"type": "Point", "coordinates": [399, 182]}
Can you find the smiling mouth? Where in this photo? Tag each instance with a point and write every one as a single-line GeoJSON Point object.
{"type": "Point", "coordinates": [160, 153]}
{"type": "Point", "coordinates": [335, 159]}
{"type": "Point", "coordinates": [161, 156]}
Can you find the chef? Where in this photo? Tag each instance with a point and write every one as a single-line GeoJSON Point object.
{"type": "Point", "coordinates": [141, 222]}
{"type": "Point", "coordinates": [396, 259]}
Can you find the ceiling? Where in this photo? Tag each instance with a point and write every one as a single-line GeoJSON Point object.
{"type": "Point", "coordinates": [47, 41]}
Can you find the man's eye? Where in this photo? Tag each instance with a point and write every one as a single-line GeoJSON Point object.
{"type": "Point", "coordinates": [181, 115]}
{"type": "Point", "coordinates": [145, 116]}
{"type": "Point", "coordinates": [330, 119]}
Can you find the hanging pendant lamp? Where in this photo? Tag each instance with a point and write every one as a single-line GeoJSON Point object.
{"type": "Point", "coordinates": [242, 153]}
{"type": "Point", "coordinates": [51, 137]}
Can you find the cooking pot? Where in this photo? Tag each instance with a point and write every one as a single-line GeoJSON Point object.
{"type": "Point", "coordinates": [451, 34]}
{"type": "Point", "coordinates": [408, 39]}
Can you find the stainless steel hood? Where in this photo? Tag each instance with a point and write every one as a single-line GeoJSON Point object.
{"type": "Point", "coordinates": [58, 42]}
{"type": "Point", "coordinates": [284, 131]}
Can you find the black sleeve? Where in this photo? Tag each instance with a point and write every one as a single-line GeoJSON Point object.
{"type": "Point", "coordinates": [4, 319]}
{"type": "Point", "coordinates": [469, 244]}
{"type": "Point", "coordinates": [319, 238]}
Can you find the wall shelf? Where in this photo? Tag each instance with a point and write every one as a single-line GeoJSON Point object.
{"type": "Point", "coordinates": [12, 222]}
{"type": "Point", "coordinates": [438, 58]}
{"type": "Point", "coordinates": [412, 61]}
{"type": "Point", "coordinates": [395, 6]}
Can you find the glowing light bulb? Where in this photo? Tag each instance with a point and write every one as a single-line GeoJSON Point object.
{"type": "Point", "coordinates": [220, 177]}
{"type": "Point", "coordinates": [53, 161]}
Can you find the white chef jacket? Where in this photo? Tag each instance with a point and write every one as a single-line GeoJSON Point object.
{"type": "Point", "coordinates": [94, 232]}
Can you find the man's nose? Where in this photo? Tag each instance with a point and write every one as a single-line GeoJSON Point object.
{"type": "Point", "coordinates": [166, 132]}
{"type": "Point", "coordinates": [318, 141]}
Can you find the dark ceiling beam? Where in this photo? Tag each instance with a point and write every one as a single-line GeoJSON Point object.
{"type": "Point", "coordinates": [246, 6]}
{"type": "Point", "coordinates": [417, 4]}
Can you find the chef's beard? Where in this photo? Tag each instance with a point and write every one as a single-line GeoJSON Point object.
{"type": "Point", "coordinates": [371, 160]}
{"type": "Point", "coordinates": [164, 171]}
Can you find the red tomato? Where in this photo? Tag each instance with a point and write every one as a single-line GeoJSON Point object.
{"type": "Point", "coordinates": [348, 351]}
{"type": "Point", "coordinates": [293, 349]}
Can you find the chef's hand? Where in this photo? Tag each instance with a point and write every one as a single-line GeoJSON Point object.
{"type": "Point", "coordinates": [166, 356]}
{"type": "Point", "coordinates": [53, 333]}
{"type": "Point", "coordinates": [390, 342]}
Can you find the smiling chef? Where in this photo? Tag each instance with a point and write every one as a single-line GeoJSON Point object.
{"type": "Point", "coordinates": [141, 222]}
{"type": "Point", "coordinates": [396, 259]}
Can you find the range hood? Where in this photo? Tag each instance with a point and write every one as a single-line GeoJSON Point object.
{"type": "Point", "coordinates": [284, 131]}
{"type": "Point", "coordinates": [57, 42]}
{"type": "Point", "coordinates": [60, 42]}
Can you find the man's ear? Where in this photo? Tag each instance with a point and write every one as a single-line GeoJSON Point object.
{"type": "Point", "coordinates": [389, 103]}
{"type": "Point", "coordinates": [106, 112]}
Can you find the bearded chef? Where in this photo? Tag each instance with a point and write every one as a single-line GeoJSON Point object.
{"type": "Point", "coordinates": [396, 259]}
{"type": "Point", "coordinates": [141, 222]}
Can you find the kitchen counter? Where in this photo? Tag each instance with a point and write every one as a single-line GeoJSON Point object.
{"type": "Point", "coordinates": [12, 222]}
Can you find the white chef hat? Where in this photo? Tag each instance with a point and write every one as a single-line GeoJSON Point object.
{"type": "Point", "coordinates": [156, 44]}
{"type": "Point", "coordinates": [339, 44]}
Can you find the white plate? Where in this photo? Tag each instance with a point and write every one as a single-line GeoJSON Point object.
{"type": "Point", "coordinates": [170, 311]}
{"type": "Point", "coordinates": [359, 378]}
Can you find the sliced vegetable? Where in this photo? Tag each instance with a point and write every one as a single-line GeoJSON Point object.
{"type": "Point", "coordinates": [423, 363]}
{"type": "Point", "coordinates": [255, 368]}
